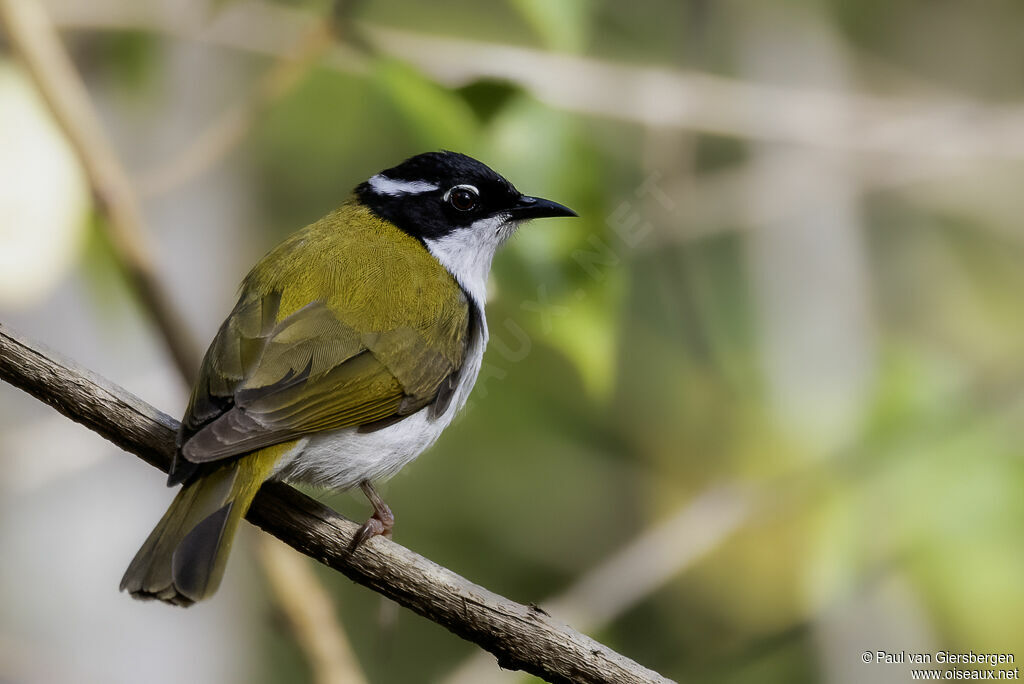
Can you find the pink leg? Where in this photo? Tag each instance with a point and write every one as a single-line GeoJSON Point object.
{"type": "Point", "coordinates": [380, 523]}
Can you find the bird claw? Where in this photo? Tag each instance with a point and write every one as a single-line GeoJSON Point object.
{"type": "Point", "coordinates": [379, 524]}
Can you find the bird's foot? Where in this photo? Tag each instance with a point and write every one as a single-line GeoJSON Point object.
{"type": "Point", "coordinates": [380, 523]}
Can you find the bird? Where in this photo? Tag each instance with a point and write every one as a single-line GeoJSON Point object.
{"type": "Point", "coordinates": [352, 346]}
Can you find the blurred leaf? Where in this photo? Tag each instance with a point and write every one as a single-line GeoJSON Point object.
{"type": "Point", "coordinates": [315, 146]}
{"type": "Point", "coordinates": [562, 25]}
{"type": "Point", "coordinates": [588, 334]}
{"type": "Point", "coordinates": [131, 58]}
{"type": "Point", "coordinates": [437, 117]}
{"type": "Point", "coordinates": [488, 97]}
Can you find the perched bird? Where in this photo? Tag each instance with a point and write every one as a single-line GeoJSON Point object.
{"type": "Point", "coordinates": [352, 346]}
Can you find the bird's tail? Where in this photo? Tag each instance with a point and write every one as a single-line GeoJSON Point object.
{"type": "Point", "coordinates": [184, 557]}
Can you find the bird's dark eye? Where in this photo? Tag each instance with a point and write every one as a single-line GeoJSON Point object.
{"type": "Point", "coordinates": [463, 197]}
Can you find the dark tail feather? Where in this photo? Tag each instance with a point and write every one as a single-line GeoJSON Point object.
{"type": "Point", "coordinates": [183, 559]}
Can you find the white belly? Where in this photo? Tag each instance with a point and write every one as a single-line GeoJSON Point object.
{"type": "Point", "coordinates": [340, 459]}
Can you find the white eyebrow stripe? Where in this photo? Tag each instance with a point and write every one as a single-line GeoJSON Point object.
{"type": "Point", "coordinates": [382, 185]}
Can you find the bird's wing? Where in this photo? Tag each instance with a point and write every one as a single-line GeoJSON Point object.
{"type": "Point", "coordinates": [268, 379]}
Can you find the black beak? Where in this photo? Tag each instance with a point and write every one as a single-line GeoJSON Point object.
{"type": "Point", "coordinates": [534, 207]}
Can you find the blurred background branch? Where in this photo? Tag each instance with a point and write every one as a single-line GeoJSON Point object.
{"type": "Point", "coordinates": [31, 33]}
{"type": "Point", "coordinates": [224, 133]}
{"type": "Point", "coordinates": [937, 127]}
{"type": "Point", "coordinates": [310, 612]}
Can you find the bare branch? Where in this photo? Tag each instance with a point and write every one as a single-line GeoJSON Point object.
{"type": "Point", "coordinates": [225, 132]}
{"type": "Point", "coordinates": [520, 637]}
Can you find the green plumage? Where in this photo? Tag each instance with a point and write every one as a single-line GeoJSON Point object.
{"type": "Point", "coordinates": [348, 322]}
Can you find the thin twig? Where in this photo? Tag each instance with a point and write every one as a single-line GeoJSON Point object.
{"type": "Point", "coordinates": [229, 129]}
{"type": "Point", "coordinates": [37, 45]}
{"type": "Point", "coordinates": [520, 637]}
{"type": "Point", "coordinates": [311, 615]}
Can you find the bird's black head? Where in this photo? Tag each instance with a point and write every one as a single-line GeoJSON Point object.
{"type": "Point", "coordinates": [432, 195]}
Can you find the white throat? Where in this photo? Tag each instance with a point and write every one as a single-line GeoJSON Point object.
{"type": "Point", "coordinates": [467, 253]}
